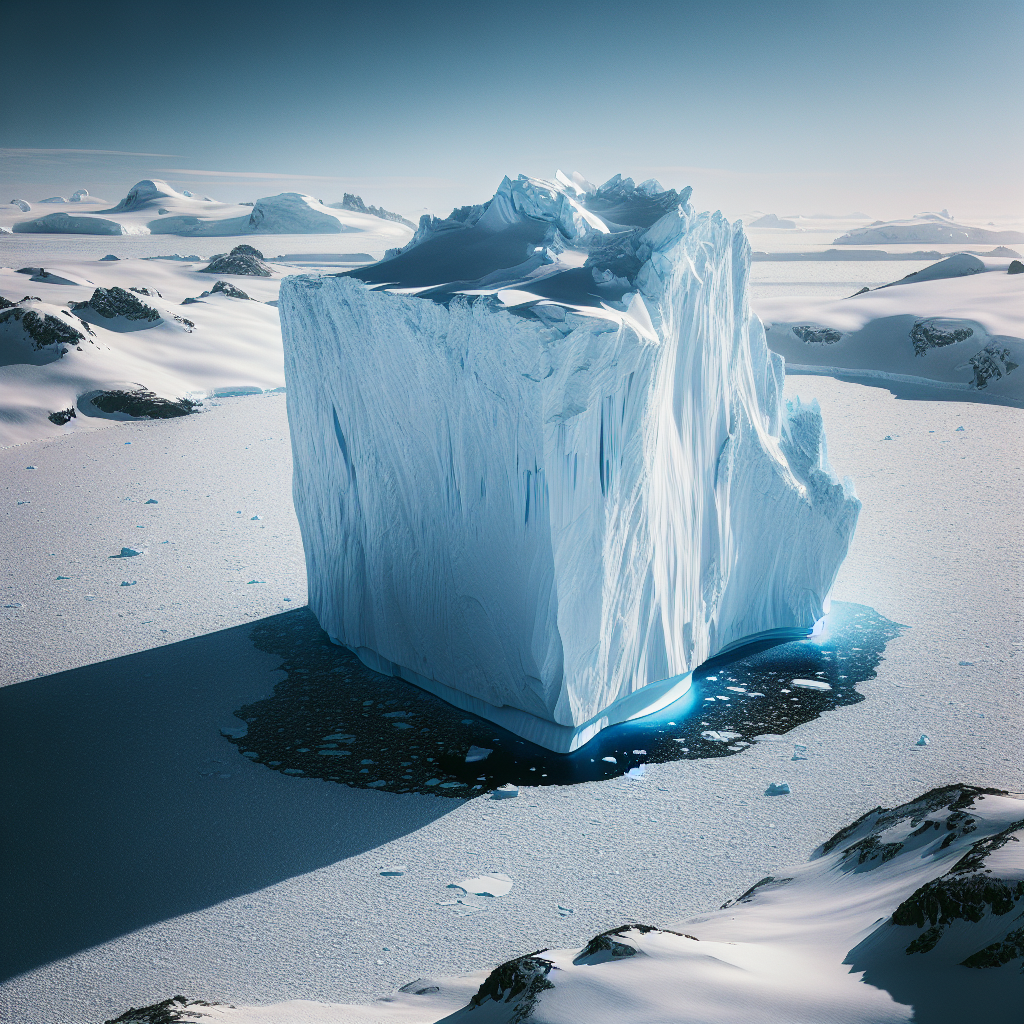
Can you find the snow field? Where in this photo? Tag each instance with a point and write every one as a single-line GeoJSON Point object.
{"type": "Point", "coordinates": [938, 548]}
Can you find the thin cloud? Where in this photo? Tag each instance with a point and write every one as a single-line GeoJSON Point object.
{"type": "Point", "coordinates": [5, 151]}
{"type": "Point", "coordinates": [393, 181]}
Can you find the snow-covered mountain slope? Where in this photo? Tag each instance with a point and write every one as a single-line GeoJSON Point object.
{"type": "Point", "coordinates": [77, 329]}
{"type": "Point", "coordinates": [909, 914]}
{"type": "Point", "coordinates": [958, 324]}
{"type": "Point", "coordinates": [154, 207]}
{"type": "Point", "coordinates": [925, 227]}
{"type": "Point", "coordinates": [556, 489]}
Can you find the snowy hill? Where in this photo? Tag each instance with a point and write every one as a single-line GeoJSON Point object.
{"type": "Point", "coordinates": [925, 227]}
{"type": "Point", "coordinates": [73, 332]}
{"type": "Point", "coordinates": [568, 382]}
{"type": "Point", "coordinates": [908, 914]}
{"type": "Point", "coordinates": [958, 323]}
{"type": "Point", "coordinates": [154, 207]}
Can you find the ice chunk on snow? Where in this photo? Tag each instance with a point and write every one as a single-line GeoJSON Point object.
{"type": "Point", "coordinates": [637, 772]}
{"type": "Point", "coordinates": [777, 789]}
{"type": "Point", "coordinates": [505, 792]}
{"type": "Point", "coordinates": [492, 474]}
{"type": "Point", "coordinates": [492, 883]}
{"type": "Point", "coordinates": [923, 741]}
{"type": "Point", "coordinates": [810, 684]}
{"type": "Point", "coordinates": [129, 553]}
{"type": "Point", "coordinates": [477, 754]}
{"type": "Point", "coordinates": [799, 752]}
{"type": "Point", "coordinates": [394, 871]}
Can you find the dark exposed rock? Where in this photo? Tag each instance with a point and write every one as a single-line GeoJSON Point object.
{"type": "Point", "coordinates": [114, 302]}
{"type": "Point", "coordinates": [956, 798]}
{"type": "Point", "coordinates": [43, 330]}
{"type": "Point", "coordinates": [991, 363]}
{"type": "Point", "coordinates": [1015, 267]}
{"type": "Point", "coordinates": [925, 335]}
{"type": "Point", "coordinates": [63, 416]}
{"type": "Point", "coordinates": [170, 1011]}
{"type": "Point", "coordinates": [226, 288]}
{"type": "Point", "coordinates": [746, 897]}
{"type": "Point", "coordinates": [813, 334]}
{"type": "Point", "coordinates": [239, 261]}
{"type": "Point", "coordinates": [521, 981]}
{"type": "Point", "coordinates": [247, 250]}
{"type": "Point", "coordinates": [999, 953]}
{"type": "Point", "coordinates": [144, 403]}
{"type": "Point", "coordinates": [6, 303]}
{"type": "Point", "coordinates": [147, 291]}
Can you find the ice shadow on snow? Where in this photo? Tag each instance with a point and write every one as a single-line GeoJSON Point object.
{"type": "Point", "coordinates": [908, 391]}
{"type": "Point", "coordinates": [334, 719]}
{"type": "Point", "coordinates": [123, 805]}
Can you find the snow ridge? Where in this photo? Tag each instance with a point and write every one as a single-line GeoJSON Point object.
{"type": "Point", "coordinates": [552, 492]}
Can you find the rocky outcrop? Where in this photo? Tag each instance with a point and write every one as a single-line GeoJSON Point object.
{"type": "Point", "coordinates": [143, 404]}
{"type": "Point", "coordinates": [114, 302]}
{"type": "Point", "coordinates": [239, 261]}
{"type": "Point", "coordinates": [356, 205]}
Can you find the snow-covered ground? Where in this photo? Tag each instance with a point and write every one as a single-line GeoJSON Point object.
{"type": "Point", "coordinates": [957, 324]}
{"type": "Point", "coordinates": [939, 880]}
{"type": "Point", "coordinates": [143, 871]}
{"type": "Point", "coordinates": [154, 207]}
{"type": "Point", "coordinates": [221, 342]}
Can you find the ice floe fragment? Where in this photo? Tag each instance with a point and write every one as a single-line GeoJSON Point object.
{"type": "Point", "coordinates": [811, 684]}
{"type": "Point", "coordinates": [477, 754]}
{"type": "Point", "coordinates": [491, 883]}
{"type": "Point", "coordinates": [505, 792]}
{"type": "Point", "coordinates": [777, 789]}
{"type": "Point", "coordinates": [714, 736]}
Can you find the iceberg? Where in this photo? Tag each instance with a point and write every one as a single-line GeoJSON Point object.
{"type": "Point", "coordinates": [543, 467]}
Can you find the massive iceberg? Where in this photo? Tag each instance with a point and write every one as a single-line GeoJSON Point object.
{"type": "Point", "coordinates": [543, 467]}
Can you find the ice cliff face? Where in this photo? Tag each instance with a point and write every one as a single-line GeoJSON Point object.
{"type": "Point", "coordinates": [554, 490]}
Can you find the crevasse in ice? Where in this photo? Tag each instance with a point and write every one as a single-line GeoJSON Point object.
{"type": "Point", "coordinates": [543, 466]}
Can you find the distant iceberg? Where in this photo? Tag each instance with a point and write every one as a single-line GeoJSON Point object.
{"type": "Point", "coordinates": [557, 473]}
{"type": "Point", "coordinates": [925, 227]}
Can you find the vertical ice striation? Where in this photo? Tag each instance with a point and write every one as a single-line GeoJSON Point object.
{"type": "Point", "coordinates": [561, 474]}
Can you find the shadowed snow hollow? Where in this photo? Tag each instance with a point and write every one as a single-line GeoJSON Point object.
{"type": "Point", "coordinates": [551, 492]}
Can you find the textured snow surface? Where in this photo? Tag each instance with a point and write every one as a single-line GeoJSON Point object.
{"type": "Point", "coordinates": [141, 874]}
{"type": "Point", "coordinates": [886, 923]}
{"type": "Point", "coordinates": [958, 324]}
{"type": "Point", "coordinates": [539, 514]}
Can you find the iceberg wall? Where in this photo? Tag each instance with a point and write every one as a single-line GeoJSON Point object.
{"type": "Point", "coordinates": [549, 490]}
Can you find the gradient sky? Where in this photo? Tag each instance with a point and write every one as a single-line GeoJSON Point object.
{"type": "Point", "coordinates": [882, 106]}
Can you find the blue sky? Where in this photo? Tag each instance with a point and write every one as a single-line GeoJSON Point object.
{"type": "Point", "coordinates": [789, 107]}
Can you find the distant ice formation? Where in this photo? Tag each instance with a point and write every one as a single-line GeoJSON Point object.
{"type": "Point", "coordinates": [925, 227]}
{"type": "Point", "coordinates": [152, 206]}
{"type": "Point", "coordinates": [551, 492]}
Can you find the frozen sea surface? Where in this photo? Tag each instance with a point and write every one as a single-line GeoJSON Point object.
{"type": "Point", "coordinates": [24, 250]}
{"type": "Point", "coordinates": [150, 857]}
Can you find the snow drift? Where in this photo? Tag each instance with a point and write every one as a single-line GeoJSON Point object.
{"type": "Point", "coordinates": [552, 492]}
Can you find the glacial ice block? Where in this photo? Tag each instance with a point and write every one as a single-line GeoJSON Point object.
{"type": "Point", "coordinates": [560, 475]}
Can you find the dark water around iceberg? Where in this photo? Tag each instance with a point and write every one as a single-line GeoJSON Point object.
{"type": "Point", "coordinates": [334, 719]}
